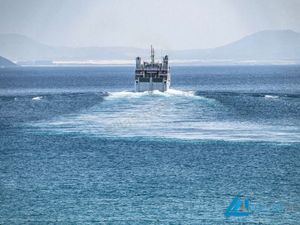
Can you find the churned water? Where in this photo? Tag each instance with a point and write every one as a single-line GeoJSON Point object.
{"type": "Point", "coordinates": [78, 146]}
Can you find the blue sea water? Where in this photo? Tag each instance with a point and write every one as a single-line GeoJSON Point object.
{"type": "Point", "coordinates": [78, 146]}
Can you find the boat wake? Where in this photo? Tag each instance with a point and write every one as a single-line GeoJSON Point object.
{"type": "Point", "coordinates": [173, 114]}
{"type": "Point", "coordinates": [169, 93]}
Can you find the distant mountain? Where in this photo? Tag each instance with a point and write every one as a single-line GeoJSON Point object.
{"type": "Point", "coordinates": [6, 63]}
{"type": "Point", "coordinates": [264, 45]}
{"type": "Point", "coordinates": [269, 45]}
{"type": "Point", "coordinates": [19, 47]}
{"type": "Point", "coordinates": [22, 48]}
{"type": "Point", "coordinates": [261, 46]}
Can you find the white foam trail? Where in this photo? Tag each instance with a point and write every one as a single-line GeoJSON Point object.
{"type": "Point", "coordinates": [174, 92]}
{"type": "Point", "coordinates": [127, 94]}
{"type": "Point", "coordinates": [271, 96]}
{"type": "Point", "coordinates": [37, 98]}
{"type": "Point", "coordinates": [169, 93]}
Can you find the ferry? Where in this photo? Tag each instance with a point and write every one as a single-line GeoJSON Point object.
{"type": "Point", "coordinates": [150, 76]}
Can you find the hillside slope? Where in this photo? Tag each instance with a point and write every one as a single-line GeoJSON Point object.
{"type": "Point", "coordinates": [264, 45]}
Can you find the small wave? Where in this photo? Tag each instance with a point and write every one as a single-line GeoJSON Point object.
{"type": "Point", "coordinates": [271, 96]}
{"type": "Point", "coordinates": [37, 98]}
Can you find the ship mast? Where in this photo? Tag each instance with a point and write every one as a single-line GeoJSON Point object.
{"type": "Point", "coordinates": [152, 55]}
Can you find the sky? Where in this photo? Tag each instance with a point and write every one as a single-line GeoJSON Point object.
{"type": "Point", "coordinates": [167, 24]}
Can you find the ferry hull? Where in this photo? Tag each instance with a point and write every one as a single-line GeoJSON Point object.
{"type": "Point", "coordinates": [151, 86]}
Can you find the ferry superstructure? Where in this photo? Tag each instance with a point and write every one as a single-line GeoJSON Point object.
{"type": "Point", "coordinates": [150, 76]}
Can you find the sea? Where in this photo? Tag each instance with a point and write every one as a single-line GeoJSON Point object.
{"type": "Point", "coordinates": [79, 146]}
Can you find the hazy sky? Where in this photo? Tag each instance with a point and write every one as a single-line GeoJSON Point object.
{"type": "Point", "coordinates": [168, 24]}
